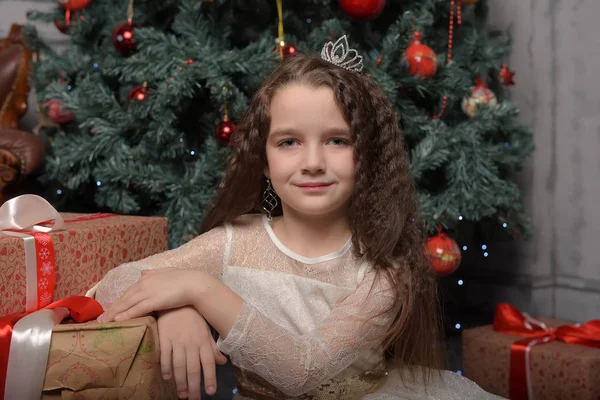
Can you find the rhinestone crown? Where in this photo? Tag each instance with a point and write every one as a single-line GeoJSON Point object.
{"type": "Point", "coordinates": [340, 54]}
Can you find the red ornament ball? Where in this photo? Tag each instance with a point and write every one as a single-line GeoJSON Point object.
{"type": "Point", "coordinates": [74, 5]}
{"type": "Point", "coordinates": [225, 130]}
{"type": "Point", "coordinates": [289, 50]}
{"type": "Point", "coordinates": [419, 59]}
{"type": "Point", "coordinates": [57, 112]}
{"type": "Point", "coordinates": [123, 38]}
{"type": "Point", "coordinates": [137, 93]}
{"type": "Point", "coordinates": [362, 9]}
{"type": "Point", "coordinates": [443, 254]}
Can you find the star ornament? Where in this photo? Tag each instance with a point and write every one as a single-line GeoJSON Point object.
{"type": "Point", "coordinates": [506, 75]}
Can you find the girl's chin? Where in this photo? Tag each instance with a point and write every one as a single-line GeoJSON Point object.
{"type": "Point", "coordinates": [315, 210]}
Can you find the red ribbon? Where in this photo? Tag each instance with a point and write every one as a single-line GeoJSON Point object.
{"type": "Point", "coordinates": [511, 321]}
{"type": "Point", "coordinates": [45, 262]}
{"type": "Point", "coordinates": [87, 217]}
{"type": "Point", "coordinates": [81, 309]}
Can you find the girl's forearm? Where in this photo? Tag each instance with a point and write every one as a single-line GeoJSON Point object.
{"type": "Point", "coordinates": [218, 304]}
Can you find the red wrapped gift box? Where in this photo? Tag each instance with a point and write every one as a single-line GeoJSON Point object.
{"type": "Point", "coordinates": [557, 366]}
{"type": "Point", "coordinates": [85, 249]}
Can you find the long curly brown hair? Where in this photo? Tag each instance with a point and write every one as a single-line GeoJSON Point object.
{"type": "Point", "coordinates": [383, 211]}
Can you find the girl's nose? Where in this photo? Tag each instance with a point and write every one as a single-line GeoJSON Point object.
{"type": "Point", "coordinates": [314, 160]}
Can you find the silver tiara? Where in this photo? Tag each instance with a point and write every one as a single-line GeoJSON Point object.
{"type": "Point", "coordinates": [340, 54]}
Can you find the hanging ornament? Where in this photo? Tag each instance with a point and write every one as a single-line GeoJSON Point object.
{"type": "Point", "coordinates": [70, 6]}
{"type": "Point", "coordinates": [419, 59]}
{"type": "Point", "coordinates": [57, 112]}
{"type": "Point", "coordinates": [443, 253]}
{"type": "Point", "coordinates": [123, 35]}
{"type": "Point", "coordinates": [362, 9]}
{"type": "Point", "coordinates": [285, 50]}
{"type": "Point", "coordinates": [74, 5]}
{"type": "Point", "coordinates": [64, 25]}
{"type": "Point", "coordinates": [468, 2]}
{"type": "Point", "coordinates": [138, 93]}
{"type": "Point", "coordinates": [226, 128]}
{"type": "Point", "coordinates": [506, 75]}
{"type": "Point", "coordinates": [455, 8]}
{"type": "Point", "coordinates": [123, 38]}
{"type": "Point", "coordinates": [224, 131]}
{"type": "Point", "coordinates": [480, 95]}
{"type": "Point", "coordinates": [289, 50]}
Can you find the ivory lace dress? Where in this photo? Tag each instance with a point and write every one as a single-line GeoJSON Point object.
{"type": "Point", "coordinates": [306, 329]}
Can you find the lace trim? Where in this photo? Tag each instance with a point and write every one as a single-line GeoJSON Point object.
{"type": "Point", "coordinates": [252, 386]}
{"type": "Point", "coordinates": [306, 260]}
{"type": "Point", "coordinates": [227, 252]}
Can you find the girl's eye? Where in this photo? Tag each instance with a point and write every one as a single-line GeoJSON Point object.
{"type": "Point", "coordinates": [339, 142]}
{"type": "Point", "coordinates": [287, 143]}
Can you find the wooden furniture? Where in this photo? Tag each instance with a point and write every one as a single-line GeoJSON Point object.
{"type": "Point", "coordinates": [21, 153]}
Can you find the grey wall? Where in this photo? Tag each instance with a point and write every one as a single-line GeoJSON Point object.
{"type": "Point", "coordinates": [557, 59]}
{"type": "Point", "coordinates": [13, 11]}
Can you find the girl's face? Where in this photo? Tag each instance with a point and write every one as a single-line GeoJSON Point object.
{"type": "Point", "coordinates": [309, 150]}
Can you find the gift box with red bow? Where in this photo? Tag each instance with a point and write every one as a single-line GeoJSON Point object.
{"type": "Point", "coordinates": [520, 357]}
{"type": "Point", "coordinates": [46, 255]}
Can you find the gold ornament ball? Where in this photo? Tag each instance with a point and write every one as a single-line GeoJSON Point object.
{"type": "Point", "coordinates": [480, 96]}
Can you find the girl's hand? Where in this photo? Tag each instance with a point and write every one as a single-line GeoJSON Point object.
{"type": "Point", "coordinates": [186, 349]}
{"type": "Point", "coordinates": [157, 289]}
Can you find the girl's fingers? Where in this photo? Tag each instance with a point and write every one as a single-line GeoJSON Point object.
{"type": "Point", "coordinates": [150, 271]}
{"type": "Point", "coordinates": [137, 310]}
{"type": "Point", "coordinates": [220, 358]}
{"type": "Point", "coordinates": [166, 349]}
{"type": "Point", "coordinates": [179, 370]}
{"type": "Point", "coordinates": [193, 372]}
{"type": "Point", "coordinates": [155, 271]}
{"type": "Point", "coordinates": [209, 370]}
{"type": "Point", "coordinates": [123, 303]}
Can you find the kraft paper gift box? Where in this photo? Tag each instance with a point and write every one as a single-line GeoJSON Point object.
{"type": "Point", "coordinates": [106, 361]}
{"type": "Point", "coordinates": [70, 261]}
{"type": "Point", "coordinates": [556, 370]}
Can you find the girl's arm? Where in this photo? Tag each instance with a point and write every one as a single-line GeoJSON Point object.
{"type": "Point", "coordinates": [296, 363]}
{"type": "Point", "coordinates": [205, 252]}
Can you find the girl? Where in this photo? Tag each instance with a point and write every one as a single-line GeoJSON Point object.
{"type": "Point", "coordinates": [308, 296]}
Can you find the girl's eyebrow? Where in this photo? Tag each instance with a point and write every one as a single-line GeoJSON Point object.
{"type": "Point", "coordinates": [284, 132]}
{"type": "Point", "coordinates": [294, 132]}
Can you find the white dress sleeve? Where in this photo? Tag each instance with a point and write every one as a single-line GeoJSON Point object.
{"type": "Point", "coordinates": [296, 363]}
{"type": "Point", "coordinates": [205, 252]}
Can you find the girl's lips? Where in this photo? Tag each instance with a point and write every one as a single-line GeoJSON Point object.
{"type": "Point", "coordinates": [314, 186]}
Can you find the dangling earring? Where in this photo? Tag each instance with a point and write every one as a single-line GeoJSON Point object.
{"type": "Point", "coordinates": [269, 200]}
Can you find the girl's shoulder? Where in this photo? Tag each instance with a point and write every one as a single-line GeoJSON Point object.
{"type": "Point", "coordinates": [246, 221]}
{"type": "Point", "coordinates": [247, 224]}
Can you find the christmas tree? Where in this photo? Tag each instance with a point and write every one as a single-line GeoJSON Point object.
{"type": "Point", "coordinates": [147, 94]}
